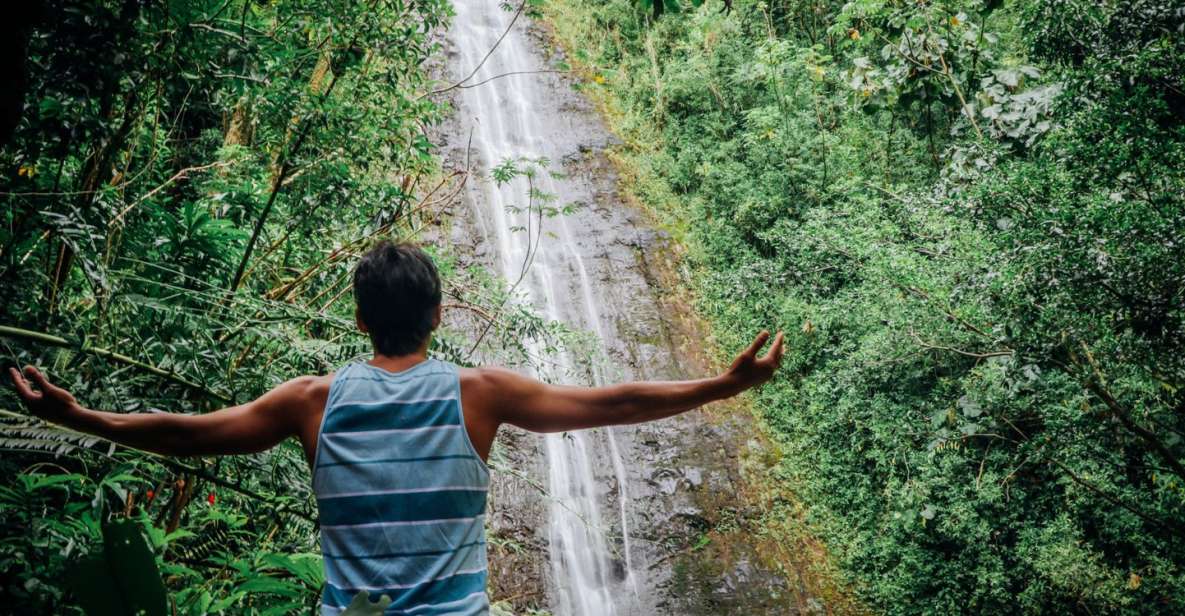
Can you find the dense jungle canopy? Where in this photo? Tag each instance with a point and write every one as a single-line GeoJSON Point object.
{"type": "Point", "coordinates": [969, 215]}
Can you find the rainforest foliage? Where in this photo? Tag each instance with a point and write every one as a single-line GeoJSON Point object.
{"type": "Point", "coordinates": [971, 215]}
{"type": "Point", "coordinates": [185, 189]}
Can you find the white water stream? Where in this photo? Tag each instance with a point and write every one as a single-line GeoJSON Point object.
{"type": "Point", "coordinates": [515, 115]}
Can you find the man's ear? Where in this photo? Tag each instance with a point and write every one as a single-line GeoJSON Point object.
{"type": "Point", "coordinates": [358, 321]}
{"type": "Point", "coordinates": [436, 317]}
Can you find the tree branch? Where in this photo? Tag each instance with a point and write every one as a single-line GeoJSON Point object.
{"type": "Point", "coordinates": [51, 340]}
{"type": "Point", "coordinates": [1096, 386]}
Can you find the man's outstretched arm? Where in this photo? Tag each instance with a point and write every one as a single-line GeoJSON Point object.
{"type": "Point", "coordinates": [247, 428]}
{"type": "Point", "coordinates": [539, 407]}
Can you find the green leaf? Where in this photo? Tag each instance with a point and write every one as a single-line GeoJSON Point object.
{"type": "Point", "coordinates": [271, 586]}
{"type": "Point", "coordinates": [970, 407]}
{"type": "Point", "coordinates": [122, 579]}
{"type": "Point", "coordinates": [361, 605]}
{"type": "Point", "coordinates": [306, 567]}
{"type": "Point", "coordinates": [92, 584]}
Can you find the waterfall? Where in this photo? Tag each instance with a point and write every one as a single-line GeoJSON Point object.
{"type": "Point", "coordinates": [512, 115]}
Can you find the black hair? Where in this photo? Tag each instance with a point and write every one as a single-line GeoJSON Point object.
{"type": "Point", "coordinates": [397, 290]}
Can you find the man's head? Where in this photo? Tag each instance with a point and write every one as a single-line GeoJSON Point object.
{"type": "Point", "coordinates": [397, 291]}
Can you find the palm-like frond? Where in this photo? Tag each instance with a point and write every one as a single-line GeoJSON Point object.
{"type": "Point", "coordinates": [23, 433]}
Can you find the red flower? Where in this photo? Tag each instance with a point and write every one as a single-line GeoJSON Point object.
{"type": "Point", "coordinates": [149, 495]}
{"type": "Point", "coordinates": [210, 498]}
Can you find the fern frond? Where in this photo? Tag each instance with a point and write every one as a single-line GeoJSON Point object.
{"type": "Point", "coordinates": [22, 433]}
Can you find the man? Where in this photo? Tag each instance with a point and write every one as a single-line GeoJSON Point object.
{"type": "Point", "coordinates": [397, 444]}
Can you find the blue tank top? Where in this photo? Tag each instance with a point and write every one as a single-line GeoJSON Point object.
{"type": "Point", "coordinates": [401, 493]}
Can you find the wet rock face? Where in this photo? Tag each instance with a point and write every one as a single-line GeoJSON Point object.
{"type": "Point", "coordinates": [669, 494]}
{"type": "Point", "coordinates": [517, 510]}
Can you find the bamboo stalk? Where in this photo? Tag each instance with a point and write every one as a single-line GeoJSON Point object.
{"type": "Point", "coordinates": [58, 341]}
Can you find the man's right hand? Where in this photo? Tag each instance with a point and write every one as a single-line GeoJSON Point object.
{"type": "Point", "coordinates": [749, 370]}
{"type": "Point", "coordinates": [51, 403]}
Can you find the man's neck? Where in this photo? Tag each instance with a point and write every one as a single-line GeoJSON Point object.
{"type": "Point", "coordinates": [399, 363]}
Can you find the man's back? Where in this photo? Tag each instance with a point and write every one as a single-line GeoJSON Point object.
{"type": "Point", "coordinates": [401, 492]}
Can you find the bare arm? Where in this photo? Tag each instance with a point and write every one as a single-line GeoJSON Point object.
{"type": "Point", "coordinates": [247, 428]}
{"type": "Point", "coordinates": [539, 407]}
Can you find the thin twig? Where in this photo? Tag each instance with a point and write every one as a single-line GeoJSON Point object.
{"type": "Point", "coordinates": [1174, 529]}
{"type": "Point", "coordinates": [528, 260]}
{"type": "Point", "coordinates": [511, 73]}
{"type": "Point", "coordinates": [936, 347]}
{"type": "Point", "coordinates": [176, 176]}
{"type": "Point", "coordinates": [458, 84]}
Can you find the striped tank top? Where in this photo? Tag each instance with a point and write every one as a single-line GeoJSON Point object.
{"type": "Point", "coordinates": [401, 493]}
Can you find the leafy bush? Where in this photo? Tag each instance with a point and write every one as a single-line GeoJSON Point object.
{"type": "Point", "coordinates": [186, 191]}
{"type": "Point", "coordinates": [970, 215]}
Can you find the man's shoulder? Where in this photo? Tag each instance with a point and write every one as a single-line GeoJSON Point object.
{"type": "Point", "coordinates": [310, 390]}
{"type": "Point", "coordinates": [487, 391]}
{"type": "Point", "coordinates": [495, 387]}
{"type": "Point", "coordinates": [489, 378]}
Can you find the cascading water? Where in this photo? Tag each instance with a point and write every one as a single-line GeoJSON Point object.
{"type": "Point", "coordinates": [513, 116]}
